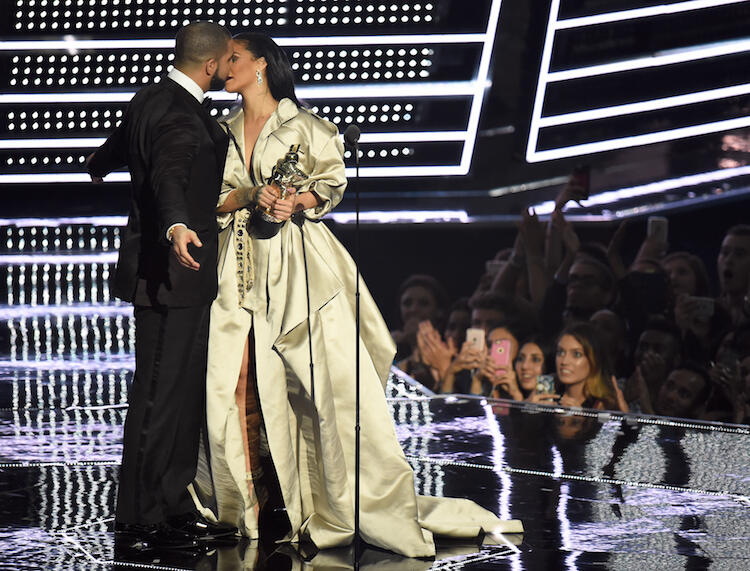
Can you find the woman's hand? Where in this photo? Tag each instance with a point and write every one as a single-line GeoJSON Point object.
{"type": "Point", "coordinates": [502, 377]}
{"type": "Point", "coordinates": [468, 358]}
{"type": "Point", "coordinates": [435, 352]}
{"type": "Point", "coordinates": [267, 197]}
{"type": "Point", "coordinates": [283, 209]}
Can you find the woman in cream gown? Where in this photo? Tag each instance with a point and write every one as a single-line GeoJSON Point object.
{"type": "Point", "coordinates": [261, 316]}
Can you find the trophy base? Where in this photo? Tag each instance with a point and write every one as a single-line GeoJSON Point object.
{"type": "Point", "coordinates": [264, 226]}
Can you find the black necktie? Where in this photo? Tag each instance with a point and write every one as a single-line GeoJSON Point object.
{"type": "Point", "coordinates": [207, 103]}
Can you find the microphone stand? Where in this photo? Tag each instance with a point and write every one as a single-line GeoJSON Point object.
{"type": "Point", "coordinates": [351, 137]}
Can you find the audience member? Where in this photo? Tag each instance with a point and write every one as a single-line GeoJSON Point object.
{"type": "Point", "coordinates": [530, 364]}
{"type": "Point", "coordinates": [684, 393]}
{"type": "Point", "coordinates": [733, 265]}
{"type": "Point", "coordinates": [657, 353]}
{"type": "Point", "coordinates": [687, 275]}
{"type": "Point", "coordinates": [584, 372]}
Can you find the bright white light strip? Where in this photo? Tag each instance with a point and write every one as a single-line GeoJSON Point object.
{"type": "Point", "coordinates": [24, 311]}
{"type": "Point", "coordinates": [673, 57]}
{"type": "Point", "coordinates": [301, 42]}
{"type": "Point", "coordinates": [481, 84]}
{"type": "Point", "coordinates": [541, 86]}
{"type": "Point", "coordinates": [56, 222]}
{"type": "Point", "coordinates": [402, 216]}
{"type": "Point", "coordinates": [349, 91]}
{"type": "Point", "coordinates": [364, 172]}
{"type": "Point", "coordinates": [643, 106]}
{"type": "Point", "coordinates": [659, 10]}
{"type": "Point", "coordinates": [88, 143]}
{"type": "Point", "coordinates": [50, 178]}
{"type": "Point", "coordinates": [72, 143]}
{"type": "Point", "coordinates": [637, 140]}
{"type": "Point", "coordinates": [611, 196]}
{"type": "Point", "coordinates": [47, 258]}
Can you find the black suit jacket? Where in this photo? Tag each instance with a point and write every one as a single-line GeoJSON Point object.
{"type": "Point", "coordinates": [175, 152]}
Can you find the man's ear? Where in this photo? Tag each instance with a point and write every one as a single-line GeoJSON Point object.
{"type": "Point", "coordinates": [210, 66]}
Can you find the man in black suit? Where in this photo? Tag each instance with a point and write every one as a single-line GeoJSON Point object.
{"type": "Point", "coordinates": [175, 152]}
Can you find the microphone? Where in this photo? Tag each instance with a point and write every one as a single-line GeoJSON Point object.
{"type": "Point", "coordinates": [351, 136]}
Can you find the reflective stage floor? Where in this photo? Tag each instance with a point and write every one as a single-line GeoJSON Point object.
{"type": "Point", "coordinates": [594, 491]}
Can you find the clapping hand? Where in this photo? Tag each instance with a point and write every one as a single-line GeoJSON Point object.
{"type": "Point", "coordinates": [434, 351]}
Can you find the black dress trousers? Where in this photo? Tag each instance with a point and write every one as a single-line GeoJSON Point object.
{"type": "Point", "coordinates": [166, 413]}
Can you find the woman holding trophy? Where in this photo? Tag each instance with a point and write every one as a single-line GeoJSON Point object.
{"type": "Point", "coordinates": [281, 355]}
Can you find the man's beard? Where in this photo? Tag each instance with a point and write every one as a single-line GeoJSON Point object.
{"type": "Point", "coordinates": [217, 83]}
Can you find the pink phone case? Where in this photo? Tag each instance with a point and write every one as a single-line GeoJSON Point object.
{"type": "Point", "coordinates": [500, 352]}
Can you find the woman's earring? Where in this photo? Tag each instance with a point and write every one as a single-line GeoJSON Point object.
{"type": "Point", "coordinates": [259, 77]}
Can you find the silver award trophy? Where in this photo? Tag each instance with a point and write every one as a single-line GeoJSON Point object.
{"type": "Point", "coordinates": [286, 175]}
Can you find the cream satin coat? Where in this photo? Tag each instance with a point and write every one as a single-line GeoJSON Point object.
{"type": "Point", "coordinates": [310, 427]}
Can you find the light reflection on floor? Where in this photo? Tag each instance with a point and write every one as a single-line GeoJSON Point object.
{"type": "Point", "coordinates": [594, 491]}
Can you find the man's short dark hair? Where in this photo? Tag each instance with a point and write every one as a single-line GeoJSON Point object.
{"type": "Point", "coordinates": [200, 41]}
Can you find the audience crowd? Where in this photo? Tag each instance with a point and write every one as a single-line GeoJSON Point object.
{"type": "Point", "coordinates": [555, 320]}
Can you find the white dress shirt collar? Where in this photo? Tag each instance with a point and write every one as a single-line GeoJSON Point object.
{"type": "Point", "coordinates": [187, 83]}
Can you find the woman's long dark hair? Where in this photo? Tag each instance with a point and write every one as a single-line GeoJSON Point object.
{"type": "Point", "coordinates": [278, 71]}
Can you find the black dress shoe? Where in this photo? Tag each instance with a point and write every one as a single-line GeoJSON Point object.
{"type": "Point", "coordinates": [144, 537]}
{"type": "Point", "coordinates": [198, 527]}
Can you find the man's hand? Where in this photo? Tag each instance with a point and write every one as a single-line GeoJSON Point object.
{"type": "Point", "coordinates": [181, 237]}
{"type": "Point", "coordinates": [95, 179]}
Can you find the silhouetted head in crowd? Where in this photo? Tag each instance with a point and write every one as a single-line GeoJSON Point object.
{"type": "Point", "coordinates": [684, 393]}
{"type": "Point", "coordinates": [591, 284]}
{"type": "Point", "coordinates": [490, 310]}
{"type": "Point", "coordinates": [459, 320]}
{"type": "Point", "coordinates": [422, 297]}
{"type": "Point", "coordinates": [612, 328]}
{"type": "Point", "coordinates": [733, 262]}
{"type": "Point", "coordinates": [687, 274]}
{"type": "Point", "coordinates": [660, 337]}
{"type": "Point", "coordinates": [532, 361]}
{"type": "Point", "coordinates": [581, 357]}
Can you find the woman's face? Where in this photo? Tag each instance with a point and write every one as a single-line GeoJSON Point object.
{"type": "Point", "coordinates": [529, 365]}
{"type": "Point", "coordinates": [242, 68]}
{"type": "Point", "coordinates": [417, 303]}
{"type": "Point", "coordinates": [572, 364]}
{"type": "Point", "coordinates": [681, 276]}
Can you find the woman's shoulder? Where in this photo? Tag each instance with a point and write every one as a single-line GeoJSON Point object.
{"type": "Point", "coordinates": [317, 122]}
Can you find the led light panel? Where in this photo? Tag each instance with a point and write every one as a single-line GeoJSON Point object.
{"type": "Point", "coordinates": [54, 100]}
{"type": "Point", "coordinates": [541, 148]}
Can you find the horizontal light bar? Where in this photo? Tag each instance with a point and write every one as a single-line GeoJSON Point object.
{"type": "Point", "coordinates": [611, 196]}
{"type": "Point", "coordinates": [53, 178]}
{"type": "Point", "coordinates": [674, 56]}
{"type": "Point", "coordinates": [637, 13]}
{"type": "Point", "coordinates": [413, 137]}
{"type": "Point", "coordinates": [300, 42]}
{"type": "Point", "coordinates": [90, 143]}
{"type": "Point", "coordinates": [62, 259]}
{"type": "Point", "coordinates": [637, 140]}
{"type": "Point", "coordinates": [401, 216]}
{"type": "Point", "coordinates": [643, 106]}
{"type": "Point", "coordinates": [105, 362]}
{"type": "Point", "coordinates": [57, 222]}
{"type": "Point", "coordinates": [87, 309]}
{"type": "Point", "coordinates": [349, 91]}
{"type": "Point", "coordinates": [369, 172]}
